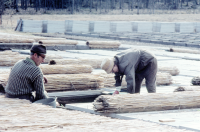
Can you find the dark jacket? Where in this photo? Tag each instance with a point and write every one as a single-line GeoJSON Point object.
{"type": "Point", "coordinates": [130, 63]}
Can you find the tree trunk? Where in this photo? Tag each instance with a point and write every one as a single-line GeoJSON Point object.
{"type": "Point", "coordinates": [153, 6]}
{"type": "Point", "coordinates": [100, 5]}
{"type": "Point", "coordinates": [138, 1]}
{"type": "Point", "coordinates": [16, 5]}
{"type": "Point", "coordinates": [90, 5]}
{"type": "Point", "coordinates": [132, 5]}
{"type": "Point", "coordinates": [72, 7]}
{"type": "Point", "coordinates": [122, 5]}
{"type": "Point", "coordinates": [1, 10]}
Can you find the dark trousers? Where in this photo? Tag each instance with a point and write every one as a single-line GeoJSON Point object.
{"type": "Point", "coordinates": [29, 97]}
{"type": "Point", "coordinates": [149, 73]}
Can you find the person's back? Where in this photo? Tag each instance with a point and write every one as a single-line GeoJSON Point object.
{"type": "Point", "coordinates": [26, 77]}
{"type": "Point", "coordinates": [21, 78]}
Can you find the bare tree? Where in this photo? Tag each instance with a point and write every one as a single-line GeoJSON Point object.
{"type": "Point", "coordinates": [1, 10]}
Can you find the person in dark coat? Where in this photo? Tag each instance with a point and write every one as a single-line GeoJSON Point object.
{"type": "Point", "coordinates": [135, 65]}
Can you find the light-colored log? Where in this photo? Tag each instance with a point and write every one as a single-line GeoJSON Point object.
{"type": "Point", "coordinates": [95, 63]}
{"type": "Point", "coordinates": [172, 70]}
{"type": "Point", "coordinates": [50, 57]}
{"type": "Point", "coordinates": [126, 103]}
{"type": "Point", "coordinates": [187, 88]}
{"type": "Point", "coordinates": [103, 44]}
{"type": "Point", "coordinates": [65, 69]}
{"type": "Point", "coordinates": [4, 79]}
{"type": "Point", "coordinates": [58, 42]}
{"type": "Point", "coordinates": [8, 52]}
{"type": "Point", "coordinates": [67, 82]}
{"type": "Point", "coordinates": [10, 60]}
{"type": "Point", "coordinates": [16, 40]}
{"type": "Point", "coordinates": [161, 79]}
{"type": "Point", "coordinates": [106, 43]}
{"type": "Point", "coordinates": [184, 50]}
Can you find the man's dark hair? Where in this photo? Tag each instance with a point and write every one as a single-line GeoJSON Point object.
{"type": "Point", "coordinates": [38, 48]}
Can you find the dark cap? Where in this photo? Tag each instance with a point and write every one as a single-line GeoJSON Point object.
{"type": "Point", "coordinates": [38, 48]}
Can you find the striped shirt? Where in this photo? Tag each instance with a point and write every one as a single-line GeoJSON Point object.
{"type": "Point", "coordinates": [25, 77]}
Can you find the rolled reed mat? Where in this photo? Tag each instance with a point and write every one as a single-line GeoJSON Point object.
{"type": "Point", "coordinates": [65, 69]}
{"type": "Point", "coordinates": [8, 53]}
{"type": "Point", "coordinates": [5, 72]}
{"type": "Point", "coordinates": [19, 115]}
{"type": "Point", "coordinates": [16, 40]}
{"type": "Point", "coordinates": [172, 70]}
{"type": "Point", "coordinates": [4, 79]}
{"type": "Point", "coordinates": [50, 57]}
{"type": "Point", "coordinates": [37, 39]}
{"type": "Point", "coordinates": [103, 44]}
{"type": "Point", "coordinates": [68, 82]}
{"type": "Point", "coordinates": [161, 79]}
{"type": "Point", "coordinates": [11, 60]}
{"type": "Point", "coordinates": [109, 80]}
{"type": "Point", "coordinates": [57, 42]}
{"type": "Point", "coordinates": [187, 88]}
{"type": "Point", "coordinates": [95, 63]}
{"type": "Point", "coordinates": [128, 103]}
{"type": "Point", "coordinates": [184, 50]}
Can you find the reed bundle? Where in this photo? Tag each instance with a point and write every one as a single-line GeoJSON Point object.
{"type": "Point", "coordinates": [8, 52]}
{"type": "Point", "coordinates": [172, 70]}
{"type": "Point", "coordinates": [16, 40]}
{"type": "Point", "coordinates": [58, 42]}
{"type": "Point", "coordinates": [10, 60]}
{"type": "Point", "coordinates": [103, 44]}
{"type": "Point", "coordinates": [126, 103]}
{"type": "Point", "coordinates": [51, 57]}
{"type": "Point", "coordinates": [4, 72]}
{"type": "Point", "coordinates": [68, 82]}
{"type": "Point", "coordinates": [184, 51]}
{"type": "Point", "coordinates": [22, 116]}
{"type": "Point", "coordinates": [65, 69]}
{"type": "Point", "coordinates": [163, 78]}
{"type": "Point", "coordinates": [109, 80]}
{"type": "Point", "coordinates": [4, 79]}
{"type": "Point", "coordinates": [95, 63]}
{"type": "Point", "coordinates": [187, 88]}
{"type": "Point", "coordinates": [37, 39]}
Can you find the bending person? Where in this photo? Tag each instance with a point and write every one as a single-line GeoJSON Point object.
{"type": "Point", "coordinates": [135, 65]}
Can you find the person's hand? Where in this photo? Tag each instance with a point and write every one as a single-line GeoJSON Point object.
{"type": "Point", "coordinates": [45, 80]}
{"type": "Point", "coordinates": [116, 92]}
{"type": "Point", "coordinates": [57, 104]}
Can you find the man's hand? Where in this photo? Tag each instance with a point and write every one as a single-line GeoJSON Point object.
{"type": "Point", "coordinates": [45, 80]}
{"type": "Point", "coordinates": [116, 92]}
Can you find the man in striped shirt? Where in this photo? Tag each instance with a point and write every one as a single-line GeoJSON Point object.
{"type": "Point", "coordinates": [26, 77]}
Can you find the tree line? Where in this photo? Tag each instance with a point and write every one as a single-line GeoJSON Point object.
{"type": "Point", "coordinates": [95, 5]}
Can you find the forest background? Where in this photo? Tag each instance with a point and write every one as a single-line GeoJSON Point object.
{"type": "Point", "coordinates": [98, 10]}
